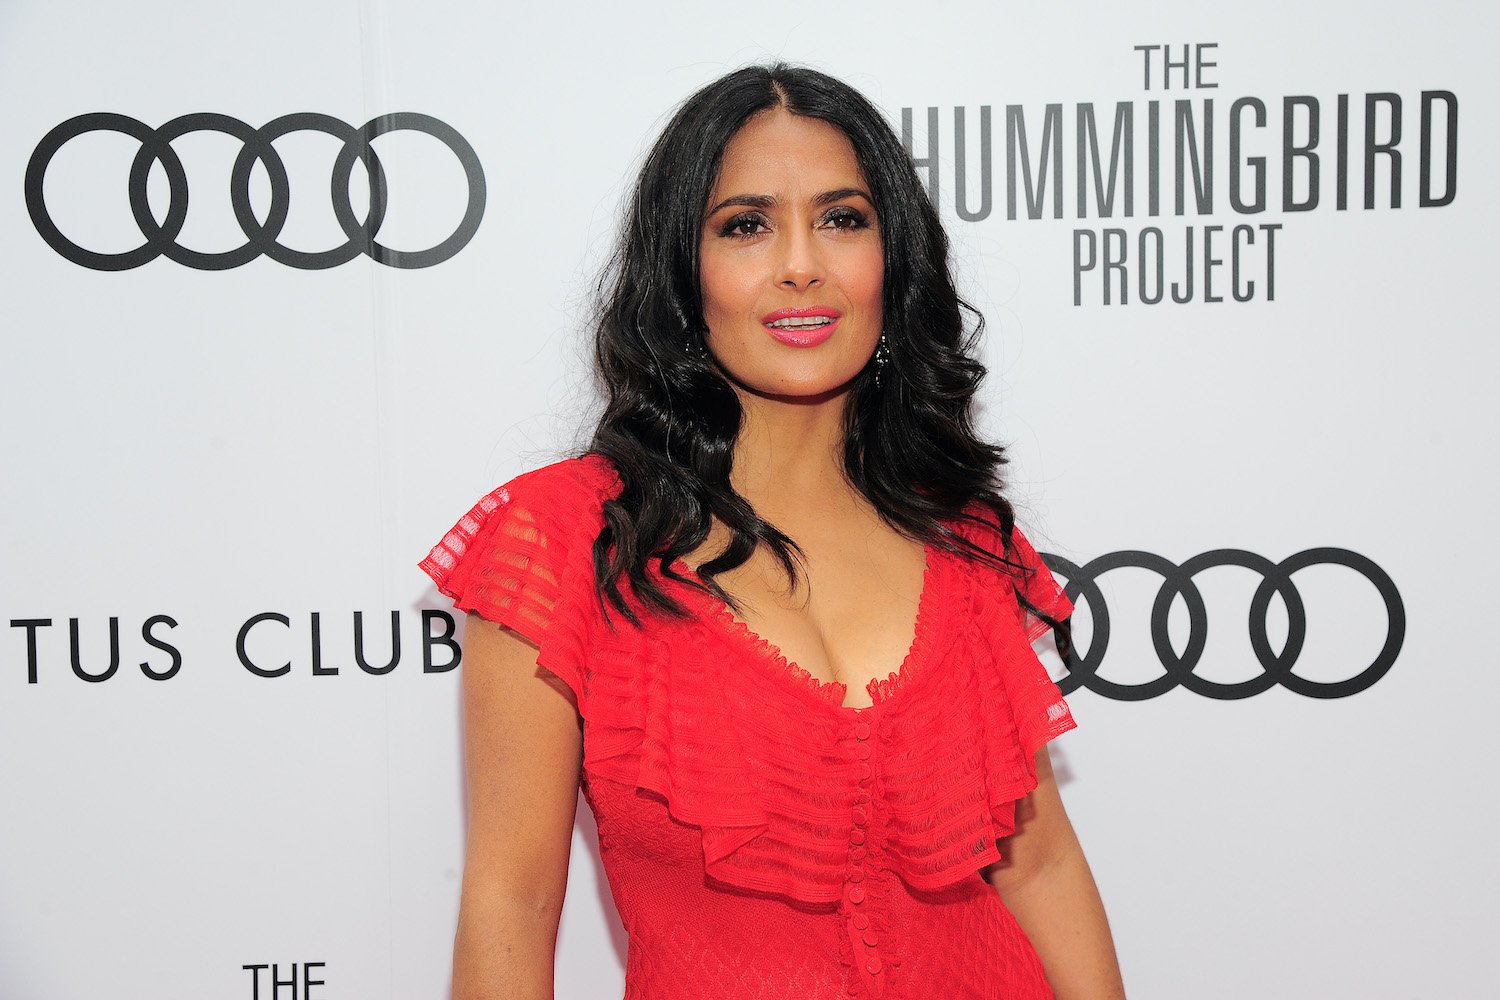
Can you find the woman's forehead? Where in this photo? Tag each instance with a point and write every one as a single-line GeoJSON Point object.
{"type": "Point", "coordinates": [789, 157]}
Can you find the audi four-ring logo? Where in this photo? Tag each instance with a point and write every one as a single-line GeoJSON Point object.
{"type": "Point", "coordinates": [1276, 578]}
{"type": "Point", "coordinates": [260, 237]}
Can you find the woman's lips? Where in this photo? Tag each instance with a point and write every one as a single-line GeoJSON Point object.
{"type": "Point", "coordinates": [801, 336]}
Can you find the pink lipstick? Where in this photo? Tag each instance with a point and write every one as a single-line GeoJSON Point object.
{"type": "Point", "coordinates": [802, 327]}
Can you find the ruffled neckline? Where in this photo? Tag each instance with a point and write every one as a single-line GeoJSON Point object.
{"type": "Point", "coordinates": [827, 693]}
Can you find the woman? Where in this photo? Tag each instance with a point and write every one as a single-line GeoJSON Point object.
{"type": "Point", "coordinates": [784, 605]}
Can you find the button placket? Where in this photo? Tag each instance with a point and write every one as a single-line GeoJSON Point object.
{"type": "Point", "coordinates": [861, 932]}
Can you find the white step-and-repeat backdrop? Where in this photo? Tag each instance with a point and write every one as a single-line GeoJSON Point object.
{"type": "Point", "coordinates": [1234, 261]}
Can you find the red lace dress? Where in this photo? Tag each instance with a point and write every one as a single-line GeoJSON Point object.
{"type": "Point", "coordinates": [762, 840]}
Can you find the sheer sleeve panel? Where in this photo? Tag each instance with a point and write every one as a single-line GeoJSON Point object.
{"type": "Point", "coordinates": [521, 557]}
{"type": "Point", "coordinates": [1038, 586]}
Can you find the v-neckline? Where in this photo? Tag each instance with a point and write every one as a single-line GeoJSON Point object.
{"type": "Point", "coordinates": [832, 694]}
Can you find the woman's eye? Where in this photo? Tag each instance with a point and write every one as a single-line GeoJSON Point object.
{"type": "Point", "coordinates": [742, 225]}
{"type": "Point", "coordinates": [846, 218]}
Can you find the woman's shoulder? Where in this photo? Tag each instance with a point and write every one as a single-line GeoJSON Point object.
{"type": "Point", "coordinates": [1024, 571]}
{"type": "Point", "coordinates": [979, 524]}
{"type": "Point", "coordinates": [530, 536]}
{"type": "Point", "coordinates": [566, 492]}
{"type": "Point", "coordinates": [555, 508]}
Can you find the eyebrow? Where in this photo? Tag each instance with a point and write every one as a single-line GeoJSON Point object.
{"type": "Point", "coordinates": [769, 201]}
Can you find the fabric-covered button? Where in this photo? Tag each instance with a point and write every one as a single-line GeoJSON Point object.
{"type": "Point", "coordinates": [873, 965]}
{"type": "Point", "coordinates": [856, 836]}
{"type": "Point", "coordinates": [861, 920]}
{"type": "Point", "coordinates": [864, 771]}
{"type": "Point", "coordinates": [856, 853]}
{"type": "Point", "coordinates": [869, 938]}
{"type": "Point", "coordinates": [855, 875]}
{"type": "Point", "coordinates": [860, 816]}
{"type": "Point", "coordinates": [862, 751]}
{"type": "Point", "coordinates": [862, 796]}
{"type": "Point", "coordinates": [862, 730]}
{"type": "Point", "coordinates": [857, 894]}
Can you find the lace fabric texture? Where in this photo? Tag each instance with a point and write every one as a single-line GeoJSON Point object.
{"type": "Point", "coordinates": [733, 790]}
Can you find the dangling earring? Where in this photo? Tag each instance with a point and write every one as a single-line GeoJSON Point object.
{"type": "Point", "coordinates": [693, 342]}
{"type": "Point", "coordinates": [882, 355]}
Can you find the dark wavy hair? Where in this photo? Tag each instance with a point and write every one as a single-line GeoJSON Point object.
{"type": "Point", "coordinates": [671, 418]}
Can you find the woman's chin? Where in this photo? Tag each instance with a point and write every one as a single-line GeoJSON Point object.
{"type": "Point", "coordinates": [804, 389]}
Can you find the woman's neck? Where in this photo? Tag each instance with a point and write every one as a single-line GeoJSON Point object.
{"type": "Point", "coordinates": [789, 455]}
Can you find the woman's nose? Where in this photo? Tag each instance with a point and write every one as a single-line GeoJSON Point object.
{"type": "Point", "coordinates": [801, 264]}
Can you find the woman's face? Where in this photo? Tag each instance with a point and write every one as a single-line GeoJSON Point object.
{"type": "Point", "coordinates": [791, 265]}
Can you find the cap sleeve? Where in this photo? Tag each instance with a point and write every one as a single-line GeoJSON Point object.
{"type": "Point", "coordinates": [1038, 586]}
{"type": "Point", "coordinates": [521, 557]}
{"type": "Point", "coordinates": [1041, 713]}
{"type": "Point", "coordinates": [1037, 706]}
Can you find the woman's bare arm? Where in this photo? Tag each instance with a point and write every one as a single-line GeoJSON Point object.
{"type": "Point", "coordinates": [523, 747]}
{"type": "Point", "coordinates": [1046, 882]}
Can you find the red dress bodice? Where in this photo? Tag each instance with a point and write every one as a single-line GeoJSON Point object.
{"type": "Point", "coordinates": [761, 839]}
